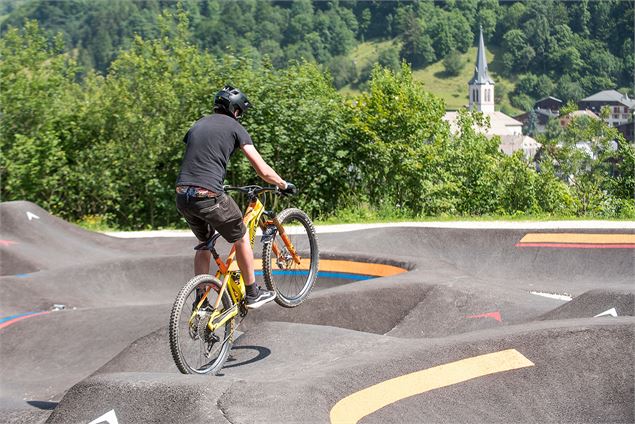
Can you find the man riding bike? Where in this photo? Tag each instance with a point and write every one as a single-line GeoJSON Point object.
{"type": "Point", "coordinates": [200, 198]}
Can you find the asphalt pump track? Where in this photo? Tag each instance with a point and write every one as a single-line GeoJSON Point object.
{"type": "Point", "coordinates": [482, 325]}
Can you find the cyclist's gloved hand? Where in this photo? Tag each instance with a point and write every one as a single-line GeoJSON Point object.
{"type": "Point", "coordinates": [291, 189]}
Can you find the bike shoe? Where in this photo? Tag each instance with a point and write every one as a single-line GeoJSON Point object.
{"type": "Point", "coordinates": [263, 296]}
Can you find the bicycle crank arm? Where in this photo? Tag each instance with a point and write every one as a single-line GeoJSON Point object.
{"type": "Point", "coordinates": [216, 322]}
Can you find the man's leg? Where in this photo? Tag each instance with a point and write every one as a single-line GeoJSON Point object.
{"type": "Point", "coordinates": [256, 297]}
{"type": "Point", "coordinates": [245, 258]}
{"type": "Point", "coordinates": [202, 260]}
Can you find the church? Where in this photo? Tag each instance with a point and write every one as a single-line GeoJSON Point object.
{"type": "Point", "coordinates": [481, 95]}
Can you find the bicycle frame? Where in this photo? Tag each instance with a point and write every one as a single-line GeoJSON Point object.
{"type": "Point", "coordinates": [228, 273]}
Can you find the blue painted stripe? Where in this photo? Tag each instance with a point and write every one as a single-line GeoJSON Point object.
{"type": "Point", "coordinates": [340, 275]}
{"type": "Point", "coordinates": [345, 276]}
{"type": "Point", "coordinates": [21, 275]}
{"type": "Point", "coordinates": [9, 318]}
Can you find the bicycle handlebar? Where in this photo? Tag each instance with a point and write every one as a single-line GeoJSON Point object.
{"type": "Point", "coordinates": [253, 190]}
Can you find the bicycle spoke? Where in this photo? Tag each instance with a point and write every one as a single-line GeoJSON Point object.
{"type": "Point", "coordinates": [195, 347]}
{"type": "Point", "coordinates": [291, 280]}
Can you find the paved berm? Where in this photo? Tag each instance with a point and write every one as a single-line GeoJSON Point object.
{"type": "Point", "coordinates": [467, 335]}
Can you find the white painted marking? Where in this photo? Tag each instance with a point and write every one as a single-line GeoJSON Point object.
{"type": "Point", "coordinates": [564, 296]}
{"type": "Point", "coordinates": [109, 417]}
{"type": "Point", "coordinates": [31, 216]}
{"type": "Point", "coordinates": [612, 312]}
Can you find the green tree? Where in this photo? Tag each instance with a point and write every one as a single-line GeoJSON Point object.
{"type": "Point", "coordinates": [389, 59]}
{"type": "Point", "coordinates": [518, 53]}
{"type": "Point", "coordinates": [364, 23]}
{"type": "Point", "coordinates": [416, 46]}
{"type": "Point", "coordinates": [569, 89]}
{"type": "Point", "coordinates": [580, 17]}
{"type": "Point", "coordinates": [38, 116]}
{"type": "Point", "coordinates": [583, 156]}
{"type": "Point", "coordinates": [300, 131]}
{"type": "Point", "coordinates": [343, 71]}
{"type": "Point", "coordinates": [453, 63]}
{"type": "Point", "coordinates": [301, 20]}
{"type": "Point", "coordinates": [532, 122]}
{"type": "Point", "coordinates": [391, 128]}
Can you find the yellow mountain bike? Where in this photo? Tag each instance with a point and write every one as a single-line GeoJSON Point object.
{"type": "Point", "coordinates": [204, 314]}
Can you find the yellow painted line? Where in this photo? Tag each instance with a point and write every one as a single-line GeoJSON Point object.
{"type": "Point", "coordinates": [353, 408]}
{"type": "Point", "coordinates": [352, 267]}
{"type": "Point", "coordinates": [578, 238]}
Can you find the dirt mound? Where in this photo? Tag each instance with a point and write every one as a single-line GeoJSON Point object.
{"type": "Point", "coordinates": [325, 364]}
{"type": "Point", "coordinates": [596, 302]}
{"type": "Point", "coordinates": [445, 311]}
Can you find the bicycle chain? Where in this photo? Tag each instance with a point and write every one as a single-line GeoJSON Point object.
{"type": "Point", "coordinates": [243, 314]}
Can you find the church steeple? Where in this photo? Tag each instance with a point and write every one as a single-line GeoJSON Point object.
{"type": "Point", "coordinates": [481, 86]}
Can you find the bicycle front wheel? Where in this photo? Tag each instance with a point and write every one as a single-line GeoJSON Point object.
{"type": "Point", "coordinates": [195, 348]}
{"type": "Point", "coordinates": [291, 281]}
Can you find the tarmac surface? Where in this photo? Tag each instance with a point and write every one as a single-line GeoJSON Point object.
{"type": "Point", "coordinates": [518, 322]}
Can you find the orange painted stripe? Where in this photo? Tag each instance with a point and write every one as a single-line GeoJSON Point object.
{"type": "Point", "coordinates": [364, 268]}
{"type": "Point", "coordinates": [578, 238]}
{"type": "Point", "coordinates": [351, 267]}
{"type": "Point", "coordinates": [577, 245]}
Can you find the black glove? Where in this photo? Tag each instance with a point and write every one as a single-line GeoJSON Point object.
{"type": "Point", "coordinates": [290, 190]}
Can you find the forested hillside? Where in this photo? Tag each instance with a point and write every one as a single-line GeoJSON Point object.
{"type": "Point", "coordinates": [93, 132]}
{"type": "Point", "coordinates": [569, 49]}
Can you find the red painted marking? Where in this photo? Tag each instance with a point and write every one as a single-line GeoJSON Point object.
{"type": "Point", "coordinates": [577, 245]}
{"type": "Point", "coordinates": [7, 242]}
{"type": "Point", "coordinates": [496, 315]}
{"type": "Point", "coordinates": [13, 321]}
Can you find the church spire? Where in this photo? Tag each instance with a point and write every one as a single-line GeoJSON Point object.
{"type": "Point", "coordinates": [480, 71]}
{"type": "Point", "coordinates": [481, 86]}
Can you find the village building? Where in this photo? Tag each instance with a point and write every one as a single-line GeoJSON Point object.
{"type": "Point", "coordinates": [566, 119]}
{"type": "Point", "coordinates": [620, 106]}
{"type": "Point", "coordinates": [544, 110]}
{"type": "Point", "coordinates": [481, 98]}
{"type": "Point", "coordinates": [628, 131]}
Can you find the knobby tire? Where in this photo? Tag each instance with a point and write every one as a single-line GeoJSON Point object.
{"type": "Point", "coordinates": [178, 333]}
{"type": "Point", "coordinates": [274, 276]}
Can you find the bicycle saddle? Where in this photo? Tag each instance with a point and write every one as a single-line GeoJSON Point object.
{"type": "Point", "coordinates": [209, 243]}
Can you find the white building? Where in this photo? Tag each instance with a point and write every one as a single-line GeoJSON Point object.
{"type": "Point", "coordinates": [621, 107]}
{"type": "Point", "coordinates": [481, 95]}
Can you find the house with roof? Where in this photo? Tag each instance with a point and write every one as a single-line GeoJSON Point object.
{"type": "Point", "coordinates": [566, 119]}
{"type": "Point", "coordinates": [628, 131]}
{"type": "Point", "coordinates": [481, 98]}
{"type": "Point", "coordinates": [544, 110]}
{"type": "Point", "coordinates": [549, 105]}
{"type": "Point", "coordinates": [620, 105]}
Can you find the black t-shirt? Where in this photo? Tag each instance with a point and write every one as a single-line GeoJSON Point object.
{"type": "Point", "coordinates": [208, 146]}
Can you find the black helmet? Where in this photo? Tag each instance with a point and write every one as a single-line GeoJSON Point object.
{"type": "Point", "coordinates": [232, 99]}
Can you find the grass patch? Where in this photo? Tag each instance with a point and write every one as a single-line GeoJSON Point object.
{"type": "Point", "coordinates": [452, 89]}
{"type": "Point", "coordinates": [367, 214]}
{"type": "Point", "coordinates": [95, 223]}
{"type": "Point", "coordinates": [367, 52]}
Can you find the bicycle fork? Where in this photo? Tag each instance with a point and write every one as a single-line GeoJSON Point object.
{"type": "Point", "coordinates": [268, 236]}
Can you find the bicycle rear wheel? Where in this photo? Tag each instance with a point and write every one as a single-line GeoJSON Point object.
{"type": "Point", "coordinates": [196, 349]}
{"type": "Point", "coordinates": [291, 281]}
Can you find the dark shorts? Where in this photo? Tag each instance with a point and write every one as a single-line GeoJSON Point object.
{"type": "Point", "coordinates": [204, 215]}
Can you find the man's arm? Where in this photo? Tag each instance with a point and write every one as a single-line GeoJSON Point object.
{"type": "Point", "coordinates": [263, 170]}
